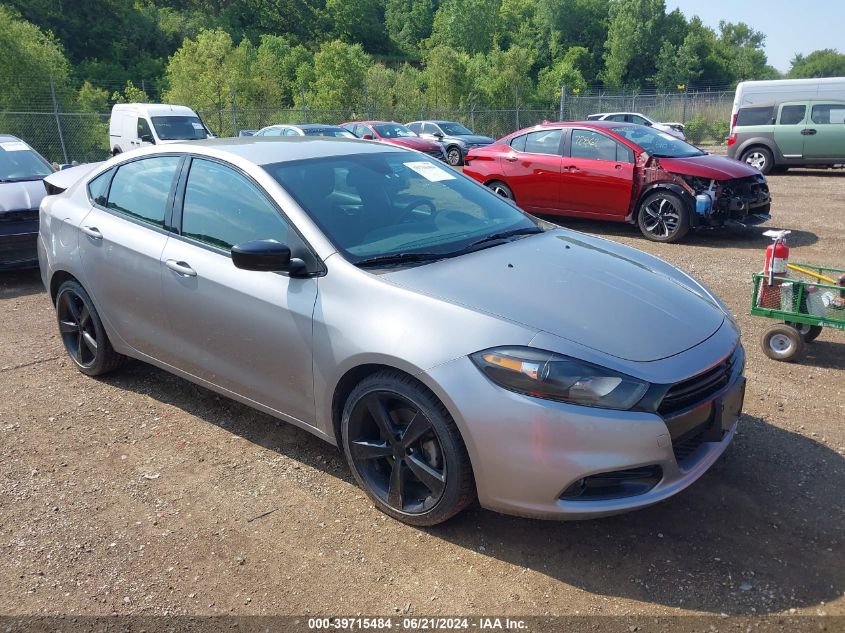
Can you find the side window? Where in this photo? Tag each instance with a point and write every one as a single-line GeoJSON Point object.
{"type": "Point", "coordinates": [518, 143]}
{"type": "Point", "coordinates": [828, 113]}
{"type": "Point", "coordinates": [415, 127]}
{"type": "Point", "coordinates": [621, 118]}
{"type": "Point", "coordinates": [792, 114]}
{"type": "Point", "coordinates": [222, 208]}
{"type": "Point", "coordinates": [624, 154]}
{"type": "Point", "coordinates": [637, 119]}
{"type": "Point", "coordinates": [543, 142]}
{"type": "Point", "coordinates": [763, 115]}
{"type": "Point", "coordinates": [289, 131]}
{"type": "Point", "coordinates": [273, 131]}
{"type": "Point", "coordinates": [98, 188]}
{"type": "Point", "coordinates": [141, 188]}
{"type": "Point", "coordinates": [143, 127]}
{"type": "Point", "coordinates": [596, 146]}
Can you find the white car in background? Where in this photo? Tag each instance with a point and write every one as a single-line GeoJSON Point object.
{"type": "Point", "coordinates": [675, 129]}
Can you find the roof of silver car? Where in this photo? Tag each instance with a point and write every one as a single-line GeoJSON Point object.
{"type": "Point", "coordinates": [266, 150]}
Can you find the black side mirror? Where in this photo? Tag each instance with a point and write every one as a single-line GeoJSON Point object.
{"type": "Point", "coordinates": [437, 134]}
{"type": "Point", "coordinates": [148, 138]}
{"type": "Point", "coordinates": [265, 256]}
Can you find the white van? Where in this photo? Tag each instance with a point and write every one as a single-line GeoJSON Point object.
{"type": "Point", "coordinates": [135, 125]}
{"type": "Point", "coordinates": [776, 91]}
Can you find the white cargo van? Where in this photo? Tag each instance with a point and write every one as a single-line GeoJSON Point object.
{"type": "Point", "coordinates": [776, 91]}
{"type": "Point", "coordinates": [135, 125]}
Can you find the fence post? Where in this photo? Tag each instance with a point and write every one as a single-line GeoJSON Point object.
{"type": "Point", "coordinates": [234, 111]}
{"type": "Point", "coordinates": [304, 105]}
{"type": "Point", "coordinates": [58, 119]}
{"type": "Point", "coordinates": [472, 117]}
{"type": "Point", "coordinates": [518, 126]}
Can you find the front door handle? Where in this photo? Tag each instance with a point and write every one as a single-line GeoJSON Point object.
{"type": "Point", "coordinates": [92, 231]}
{"type": "Point", "coordinates": [180, 267]}
{"type": "Point", "coordinates": [808, 131]}
{"type": "Point", "coordinates": [511, 158]}
{"type": "Point", "coordinates": [571, 169]}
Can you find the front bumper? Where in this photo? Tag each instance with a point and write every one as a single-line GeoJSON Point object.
{"type": "Point", "coordinates": [18, 240]}
{"type": "Point", "coordinates": [527, 453]}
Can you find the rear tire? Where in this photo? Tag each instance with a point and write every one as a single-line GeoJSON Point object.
{"type": "Point", "coordinates": [759, 157]}
{"type": "Point", "coordinates": [663, 217]}
{"type": "Point", "coordinates": [82, 331]}
{"type": "Point", "coordinates": [501, 189]}
{"type": "Point", "coordinates": [405, 450]}
{"type": "Point", "coordinates": [782, 342]}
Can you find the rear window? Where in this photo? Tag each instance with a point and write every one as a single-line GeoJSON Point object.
{"type": "Point", "coordinates": [761, 115]}
{"type": "Point", "coordinates": [828, 113]}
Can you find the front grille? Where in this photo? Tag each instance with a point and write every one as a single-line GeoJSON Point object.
{"type": "Point", "coordinates": [749, 189]}
{"type": "Point", "coordinates": [698, 388]}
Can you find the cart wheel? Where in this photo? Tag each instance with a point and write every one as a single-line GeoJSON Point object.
{"type": "Point", "coordinates": [782, 342]}
{"type": "Point", "coordinates": [809, 332]}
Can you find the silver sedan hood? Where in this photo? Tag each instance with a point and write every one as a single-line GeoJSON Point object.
{"type": "Point", "coordinates": [591, 291]}
{"type": "Point", "coordinates": [21, 196]}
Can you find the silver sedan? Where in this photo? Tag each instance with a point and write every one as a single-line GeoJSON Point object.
{"type": "Point", "coordinates": [453, 346]}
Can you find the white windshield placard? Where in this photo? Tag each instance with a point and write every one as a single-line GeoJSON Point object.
{"type": "Point", "coordinates": [14, 146]}
{"type": "Point", "coordinates": [197, 126]}
{"type": "Point", "coordinates": [429, 171]}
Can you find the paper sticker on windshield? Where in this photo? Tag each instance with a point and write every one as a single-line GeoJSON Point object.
{"type": "Point", "coordinates": [429, 171]}
{"type": "Point", "coordinates": [15, 146]}
{"type": "Point", "coordinates": [197, 126]}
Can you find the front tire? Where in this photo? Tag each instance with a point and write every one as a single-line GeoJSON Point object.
{"type": "Point", "coordinates": [405, 451]}
{"type": "Point", "coordinates": [454, 156]}
{"type": "Point", "coordinates": [663, 217]}
{"type": "Point", "coordinates": [82, 332]}
{"type": "Point", "coordinates": [759, 157]}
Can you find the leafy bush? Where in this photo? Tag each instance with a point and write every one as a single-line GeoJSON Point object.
{"type": "Point", "coordinates": [719, 131]}
{"type": "Point", "coordinates": [697, 129]}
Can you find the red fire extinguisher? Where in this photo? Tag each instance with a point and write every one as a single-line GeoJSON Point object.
{"type": "Point", "coordinates": [777, 255]}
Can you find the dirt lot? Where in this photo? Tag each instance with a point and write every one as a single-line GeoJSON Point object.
{"type": "Point", "coordinates": [138, 493]}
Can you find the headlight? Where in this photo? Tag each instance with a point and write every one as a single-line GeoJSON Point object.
{"type": "Point", "coordinates": [553, 376]}
{"type": "Point", "coordinates": [698, 184]}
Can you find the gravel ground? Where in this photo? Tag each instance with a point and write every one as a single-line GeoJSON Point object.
{"type": "Point", "coordinates": [141, 493]}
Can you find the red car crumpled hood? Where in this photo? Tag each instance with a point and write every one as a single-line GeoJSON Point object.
{"type": "Point", "coordinates": [419, 144]}
{"type": "Point", "coordinates": [708, 166]}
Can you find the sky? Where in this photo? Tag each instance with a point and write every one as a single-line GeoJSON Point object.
{"type": "Point", "coordinates": [790, 26]}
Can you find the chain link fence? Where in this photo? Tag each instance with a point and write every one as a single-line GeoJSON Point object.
{"type": "Point", "coordinates": [66, 136]}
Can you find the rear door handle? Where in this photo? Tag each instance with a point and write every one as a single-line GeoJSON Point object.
{"type": "Point", "coordinates": [511, 159]}
{"type": "Point", "coordinates": [180, 267]}
{"type": "Point", "coordinates": [92, 231]}
{"type": "Point", "coordinates": [808, 131]}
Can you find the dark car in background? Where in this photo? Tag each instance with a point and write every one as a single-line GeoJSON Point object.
{"type": "Point", "coordinates": [456, 139]}
{"type": "Point", "coordinates": [622, 172]}
{"type": "Point", "coordinates": [22, 171]}
{"type": "Point", "coordinates": [394, 134]}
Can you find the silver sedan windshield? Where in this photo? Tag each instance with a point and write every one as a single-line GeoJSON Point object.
{"type": "Point", "coordinates": [375, 205]}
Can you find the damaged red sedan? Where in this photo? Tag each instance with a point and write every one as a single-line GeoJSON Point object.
{"type": "Point", "coordinates": [606, 170]}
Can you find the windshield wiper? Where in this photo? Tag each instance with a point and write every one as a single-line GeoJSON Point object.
{"type": "Point", "coordinates": [399, 258]}
{"type": "Point", "coordinates": [24, 179]}
{"type": "Point", "coordinates": [494, 238]}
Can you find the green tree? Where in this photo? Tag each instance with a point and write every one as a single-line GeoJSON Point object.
{"type": "Point", "coordinates": [502, 78]}
{"type": "Point", "coordinates": [566, 71]}
{"type": "Point", "coordinates": [827, 62]}
{"type": "Point", "coordinates": [466, 25]}
{"type": "Point", "coordinates": [339, 73]}
{"type": "Point", "coordinates": [131, 94]}
{"type": "Point", "coordinates": [445, 77]}
{"type": "Point", "coordinates": [358, 21]}
{"type": "Point", "coordinates": [199, 75]}
{"type": "Point", "coordinates": [29, 58]}
{"type": "Point", "coordinates": [408, 23]}
{"type": "Point", "coordinates": [633, 41]}
{"type": "Point", "coordinates": [380, 90]}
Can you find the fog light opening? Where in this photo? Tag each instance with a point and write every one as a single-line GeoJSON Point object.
{"type": "Point", "coordinates": [616, 484]}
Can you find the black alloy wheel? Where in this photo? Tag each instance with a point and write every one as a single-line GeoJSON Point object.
{"type": "Point", "coordinates": [405, 450]}
{"type": "Point", "coordinates": [663, 217]}
{"type": "Point", "coordinates": [82, 331]}
{"type": "Point", "coordinates": [500, 188]}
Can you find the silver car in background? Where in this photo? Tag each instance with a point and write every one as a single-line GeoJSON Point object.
{"type": "Point", "coordinates": [451, 345]}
